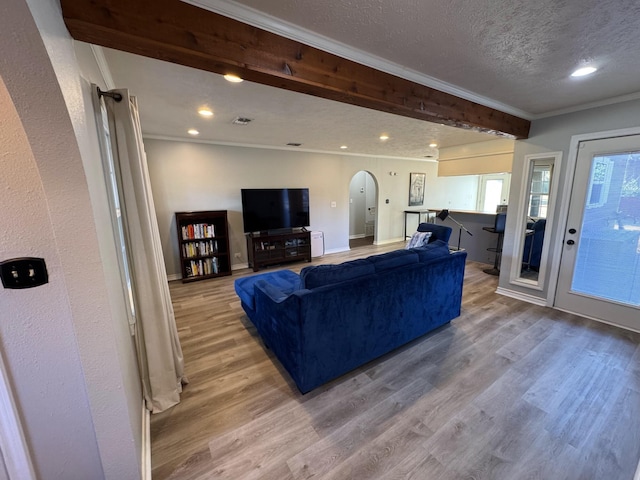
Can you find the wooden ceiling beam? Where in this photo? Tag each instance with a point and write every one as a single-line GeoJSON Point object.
{"type": "Point", "coordinates": [177, 32]}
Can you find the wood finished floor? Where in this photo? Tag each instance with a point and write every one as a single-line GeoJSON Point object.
{"type": "Point", "coordinates": [508, 390]}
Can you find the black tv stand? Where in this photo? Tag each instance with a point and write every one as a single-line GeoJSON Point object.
{"type": "Point", "coordinates": [278, 231]}
{"type": "Point", "coordinates": [266, 249]}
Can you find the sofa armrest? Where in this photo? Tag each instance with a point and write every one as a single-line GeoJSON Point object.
{"type": "Point", "coordinates": [274, 293]}
{"type": "Point", "coordinates": [281, 325]}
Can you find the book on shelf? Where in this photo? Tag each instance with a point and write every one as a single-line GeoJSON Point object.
{"type": "Point", "coordinates": [199, 249]}
{"type": "Point", "coordinates": [195, 231]}
{"type": "Point", "coordinates": [205, 266]}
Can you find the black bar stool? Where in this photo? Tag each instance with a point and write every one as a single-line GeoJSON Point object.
{"type": "Point", "coordinates": [498, 228]}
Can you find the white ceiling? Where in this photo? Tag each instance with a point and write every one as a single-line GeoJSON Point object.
{"type": "Point", "coordinates": [513, 55]}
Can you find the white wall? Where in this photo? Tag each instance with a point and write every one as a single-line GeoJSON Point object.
{"type": "Point", "coordinates": [66, 354]}
{"type": "Point", "coordinates": [371, 194]}
{"type": "Point", "coordinates": [550, 135]}
{"type": "Point", "coordinates": [454, 193]}
{"type": "Point", "coordinates": [480, 158]}
{"type": "Point", "coordinates": [199, 176]}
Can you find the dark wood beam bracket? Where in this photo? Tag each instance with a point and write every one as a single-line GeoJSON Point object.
{"type": "Point", "coordinates": [177, 32]}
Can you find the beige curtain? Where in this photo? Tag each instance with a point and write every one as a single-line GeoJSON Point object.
{"type": "Point", "coordinates": [159, 353]}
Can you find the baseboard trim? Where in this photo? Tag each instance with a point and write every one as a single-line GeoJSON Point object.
{"type": "Point", "coordinates": [613, 324]}
{"type": "Point", "coordinates": [391, 240]}
{"type": "Point", "coordinates": [357, 235]}
{"type": "Point", "coordinates": [239, 266]}
{"type": "Point", "coordinates": [174, 276]}
{"type": "Point", "coordinates": [146, 443]}
{"type": "Point", "coordinates": [525, 297]}
{"type": "Point", "coordinates": [336, 250]}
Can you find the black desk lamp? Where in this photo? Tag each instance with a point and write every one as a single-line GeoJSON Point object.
{"type": "Point", "coordinates": [445, 214]}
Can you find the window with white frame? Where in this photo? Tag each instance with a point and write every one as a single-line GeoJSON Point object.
{"type": "Point", "coordinates": [113, 189]}
{"type": "Point", "coordinates": [539, 190]}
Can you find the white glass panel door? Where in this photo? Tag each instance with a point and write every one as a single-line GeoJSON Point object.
{"type": "Point", "coordinates": [493, 190]}
{"type": "Point", "coordinates": [492, 195]}
{"type": "Point", "coordinates": [600, 267]}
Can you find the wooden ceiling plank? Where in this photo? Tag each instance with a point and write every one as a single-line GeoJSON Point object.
{"type": "Point", "coordinates": [177, 32]}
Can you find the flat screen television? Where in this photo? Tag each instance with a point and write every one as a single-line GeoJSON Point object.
{"type": "Point", "coordinates": [272, 209]}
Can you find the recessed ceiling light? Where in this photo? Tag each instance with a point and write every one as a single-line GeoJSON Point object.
{"type": "Point", "coordinates": [433, 145]}
{"type": "Point", "coordinates": [193, 131]}
{"type": "Point", "coordinates": [205, 112]}
{"type": "Point", "coordinates": [232, 78]}
{"type": "Point", "coordinates": [384, 137]}
{"type": "Point", "coordinates": [581, 72]}
{"type": "Point", "coordinates": [343, 147]}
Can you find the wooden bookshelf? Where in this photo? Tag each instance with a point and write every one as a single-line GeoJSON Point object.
{"type": "Point", "coordinates": [203, 242]}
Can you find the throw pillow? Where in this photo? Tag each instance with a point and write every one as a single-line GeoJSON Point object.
{"type": "Point", "coordinates": [418, 239]}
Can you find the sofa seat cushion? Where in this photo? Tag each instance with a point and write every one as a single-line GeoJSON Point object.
{"type": "Point", "coordinates": [433, 250]}
{"type": "Point", "coordinates": [321, 275]}
{"type": "Point", "coordinates": [395, 259]}
{"type": "Point", "coordinates": [285, 280]}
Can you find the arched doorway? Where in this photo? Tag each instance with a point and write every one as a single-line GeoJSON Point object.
{"type": "Point", "coordinates": [363, 211]}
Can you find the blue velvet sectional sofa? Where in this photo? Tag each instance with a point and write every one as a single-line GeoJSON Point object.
{"type": "Point", "coordinates": [331, 319]}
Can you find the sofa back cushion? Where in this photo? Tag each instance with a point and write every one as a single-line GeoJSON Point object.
{"type": "Point", "coordinates": [438, 232]}
{"type": "Point", "coordinates": [320, 275]}
{"type": "Point", "coordinates": [433, 250]}
{"type": "Point", "coordinates": [397, 258]}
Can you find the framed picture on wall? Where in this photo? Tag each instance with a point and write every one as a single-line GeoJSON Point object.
{"type": "Point", "coordinates": [416, 188]}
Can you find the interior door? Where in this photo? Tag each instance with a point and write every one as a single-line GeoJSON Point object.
{"type": "Point", "coordinates": [600, 266]}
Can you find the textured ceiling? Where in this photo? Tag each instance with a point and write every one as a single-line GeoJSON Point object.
{"type": "Point", "coordinates": [516, 52]}
{"type": "Point", "coordinates": [514, 55]}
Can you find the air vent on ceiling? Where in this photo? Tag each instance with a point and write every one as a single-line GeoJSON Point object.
{"type": "Point", "coordinates": [293, 144]}
{"type": "Point", "coordinates": [241, 121]}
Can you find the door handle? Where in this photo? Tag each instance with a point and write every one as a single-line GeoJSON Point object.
{"type": "Point", "coordinates": [570, 242]}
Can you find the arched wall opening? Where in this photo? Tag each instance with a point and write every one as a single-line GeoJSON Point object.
{"type": "Point", "coordinates": [363, 210]}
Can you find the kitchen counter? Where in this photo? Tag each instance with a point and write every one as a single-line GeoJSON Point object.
{"type": "Point", "coordinates": [476, 244]}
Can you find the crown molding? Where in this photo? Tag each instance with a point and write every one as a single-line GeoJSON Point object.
{"type": "Point", "coordinates": [587, 106]}
{"type": "Point", "coordinates": [283, 148]}
{"type": "Point", "coordinates": [288, 30]}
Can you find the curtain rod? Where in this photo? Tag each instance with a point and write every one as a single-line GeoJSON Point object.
{"type": "Point", "coordinates": [116, 96]}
